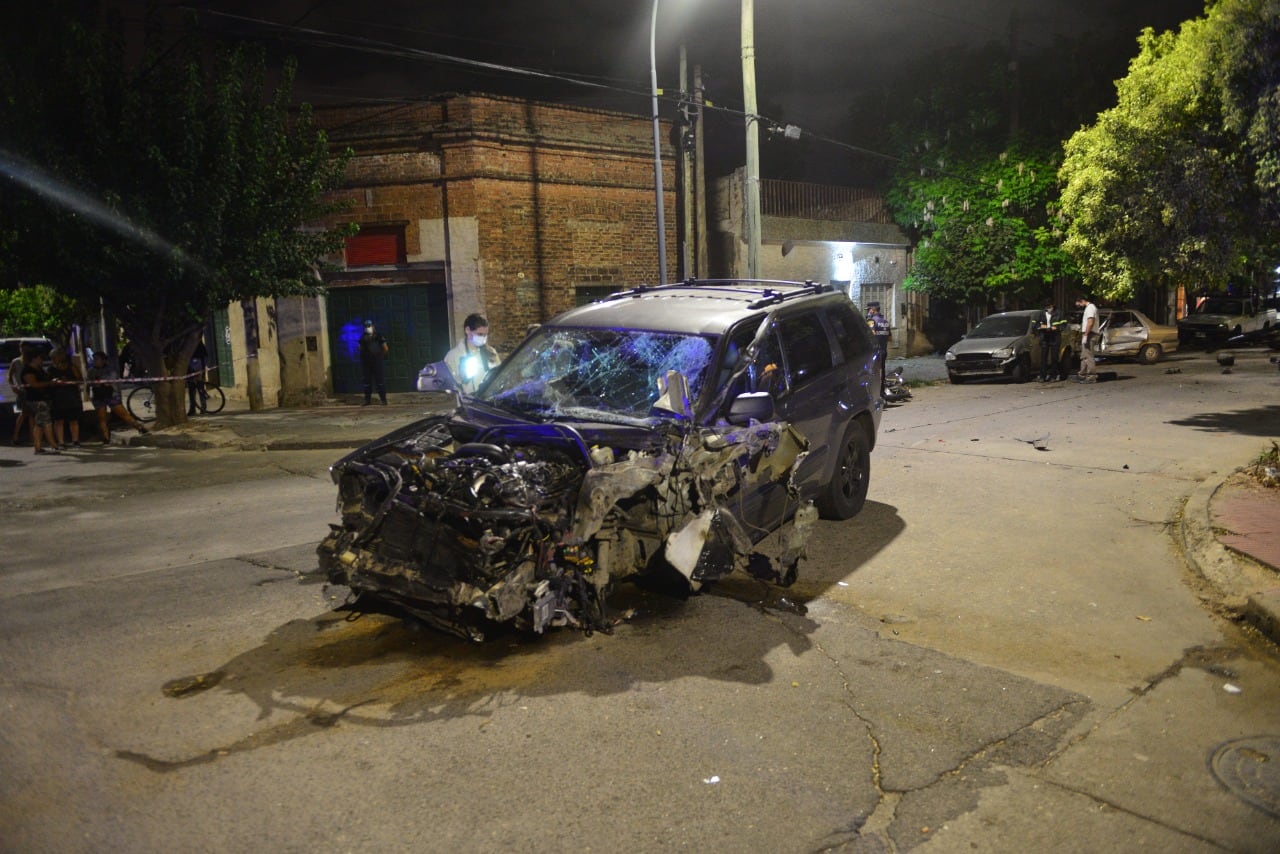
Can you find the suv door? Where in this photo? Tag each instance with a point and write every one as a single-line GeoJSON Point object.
{"type": "Point", "coordinates": [814, 391]}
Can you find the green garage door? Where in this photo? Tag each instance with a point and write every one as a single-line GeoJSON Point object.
{"type": "Point", "coordinates": [413, 318]}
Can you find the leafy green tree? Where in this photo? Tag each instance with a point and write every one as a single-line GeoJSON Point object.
{"type": "Point", "coordinates": [1177, 183]}
{"type": "Point", "coordinates": [987, 226]}
{"type": "Point", "coordinates": [167, 186]}
{"type": "Point", "coordinates": [38, 310]}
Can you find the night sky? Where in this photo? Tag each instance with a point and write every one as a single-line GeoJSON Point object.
{"type": "Point", "coordinates": [814, 58]}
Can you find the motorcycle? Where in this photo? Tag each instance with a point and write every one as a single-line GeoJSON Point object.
{"type": "Point", "coordinates": [895, 387]}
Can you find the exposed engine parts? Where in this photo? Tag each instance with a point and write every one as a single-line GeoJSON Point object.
{"type": "Point", "coordinates": [532, 525]}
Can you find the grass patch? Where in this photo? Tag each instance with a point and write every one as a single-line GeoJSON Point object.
{"type": "Point", "coordinates": [1266, 468]}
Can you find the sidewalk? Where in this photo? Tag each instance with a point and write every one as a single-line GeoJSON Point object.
{"type": "Point", "coordinates": [337, 425]}
{"type": "Point", "coordinates": [1229, 530]}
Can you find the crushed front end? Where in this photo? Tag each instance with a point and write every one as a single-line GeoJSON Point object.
{"type": "Point", "coordinates": [530, 524]}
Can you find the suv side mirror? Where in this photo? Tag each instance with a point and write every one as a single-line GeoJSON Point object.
{"type": "Point", "coordinates": [752, 406]}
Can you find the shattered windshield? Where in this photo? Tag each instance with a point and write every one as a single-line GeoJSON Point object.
{"type": "Point", "coordinates": [573, 372]}
{"type": "Point", "coordinates": [1001, 326]}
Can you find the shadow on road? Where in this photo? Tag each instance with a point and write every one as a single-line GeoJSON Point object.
{"type": "Point", "coordinates": [384, 670]}
{"type": "Point", "coordinates": [1260, 421]}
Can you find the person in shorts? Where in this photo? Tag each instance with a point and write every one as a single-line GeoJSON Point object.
{"type": "Point", "coordinates": [105, 395]}
{"type": "Point", "coordinates": [39, 394]}
{"type": "Point", "coordinates": [65, 401]}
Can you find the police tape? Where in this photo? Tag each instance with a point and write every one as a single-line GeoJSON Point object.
{"type": "Point", "coordinates": [132, 381]}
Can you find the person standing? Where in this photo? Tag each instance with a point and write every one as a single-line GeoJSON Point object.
{"type": "Point", "coordinates": [39, 396]}
{"type": "Point", "coordinates": [472, 358]}
{"type": "Point", "coordinates": [373, 354]}
{"type": "Point", "coordinates": [196, 396]}
{"type": "Point", "coordinates": [1088, 336]}
{"type": "Point", "coordinates": [21, 408]}
{"type": "Point", "coordinates": [880, 329]}
{"type": "Point", "coordinates": [1050, 330]}
{"type": "Point", "coordinates": [65, 403]}
{"type": "Point", "coordinates": [105, 395]}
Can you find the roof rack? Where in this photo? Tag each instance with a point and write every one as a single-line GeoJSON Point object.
{"type": "Point", "coordinates": [768, 296]}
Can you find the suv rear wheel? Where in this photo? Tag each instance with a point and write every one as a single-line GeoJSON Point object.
{"type": "Point", "coordinates": [846, 492]}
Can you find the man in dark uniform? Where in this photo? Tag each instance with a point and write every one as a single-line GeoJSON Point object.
{"type": "Point", "coordinates": [1050, 329]}
{"type": "Point", "coordinates": [880, 329]}
{"type": "Point", "coordinates": [373, 353]}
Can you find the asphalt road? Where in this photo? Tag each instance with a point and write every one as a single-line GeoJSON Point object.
{"type": "Point", "coordinates": [1004, 652]}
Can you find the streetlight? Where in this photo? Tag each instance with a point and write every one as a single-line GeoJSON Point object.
{"type": "Point", "coordinates": [657, 147]}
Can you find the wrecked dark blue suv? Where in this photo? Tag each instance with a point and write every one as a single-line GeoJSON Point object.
{"type": "Point", "coordinates": [673, 426]}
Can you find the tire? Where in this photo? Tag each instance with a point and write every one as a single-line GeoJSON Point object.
{"type": "Point", "coordinates": [1149, 354]}
{"type": "Point", "coordinates": [215, 401]}
{"type": "Point", "coordinates": [142, 403]}
{"type": "Point", "coordinates": [1021, 370]}
{"type": "Point", "coordinates": [956, 379]}
{"type": "Point", "coordinates": [846, 492]}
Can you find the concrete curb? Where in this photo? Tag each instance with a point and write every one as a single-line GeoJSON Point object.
{"type": "Point", "coordinates": [211, 439]}
{"type": "Point", "coordinates": [1242, 587]}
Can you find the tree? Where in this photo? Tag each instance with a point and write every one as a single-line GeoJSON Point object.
{"type": "Point", "coordinates": [1177, 183]}
{"type": "Point", "coordinates": [167, 186]}
{"type": "Point", "coordinates": [986, 226]}
{"type": "Point", "coordinates": [38, 311]}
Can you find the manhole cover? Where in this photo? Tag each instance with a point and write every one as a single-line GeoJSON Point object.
{"type": "Point", "coordinates": [1250, 769]}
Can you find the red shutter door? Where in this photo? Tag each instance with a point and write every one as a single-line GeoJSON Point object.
{"type": "Point", "coordinates": [375, 248]}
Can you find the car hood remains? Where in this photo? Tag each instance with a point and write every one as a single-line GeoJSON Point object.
{"type": "Point", "coordinates": [465, 523]}
{"type": "Point", "coordinates": [984, 345]}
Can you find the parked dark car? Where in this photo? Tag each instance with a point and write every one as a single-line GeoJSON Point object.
{"type": "Point", "coordinates": [664, 427]}
{"type": "Point", "coordinates": [1008, 345]}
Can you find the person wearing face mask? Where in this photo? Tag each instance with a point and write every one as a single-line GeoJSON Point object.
{"type": "Point", "coordinates": [472, 358]}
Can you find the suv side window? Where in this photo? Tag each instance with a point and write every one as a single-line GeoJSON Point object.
{"type": "Point", "coordinates": [850, 331]}
{"type": "Point", "coordinates": [765, 371]}
{"type": "Point", "coordinates": [807, 348]}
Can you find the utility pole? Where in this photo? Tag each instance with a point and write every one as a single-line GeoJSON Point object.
{"type": "Point", "coordinates": [751, 214]}
{"type": "Point", "coordinates": [700, 179]}
{"type": "Point", "coordinates": [657, 148]}
{"type": "Point", "coordinates": [685, 150]}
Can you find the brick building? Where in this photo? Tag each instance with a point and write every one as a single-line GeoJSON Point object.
{"type": "Point", "coordinates": [475, 203]}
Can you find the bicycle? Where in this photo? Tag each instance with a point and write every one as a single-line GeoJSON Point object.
{"type": "Point", "coordinates": [142, 400]}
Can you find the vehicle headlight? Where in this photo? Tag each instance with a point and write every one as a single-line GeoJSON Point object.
{"type": "Point", "coordinates": [1003, 353]}
{"type": "Point", "coordinates": [949, 356]}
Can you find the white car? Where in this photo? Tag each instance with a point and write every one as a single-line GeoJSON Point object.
{"type": "Point", "coordinates": [1215, 320]}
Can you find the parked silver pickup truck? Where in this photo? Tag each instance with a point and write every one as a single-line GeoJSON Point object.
{"type": "Point", "coordinates": [1217, 319]}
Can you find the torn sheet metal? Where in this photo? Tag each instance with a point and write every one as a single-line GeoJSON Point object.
{"type": "Point", "coordinates": [533, 526]}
